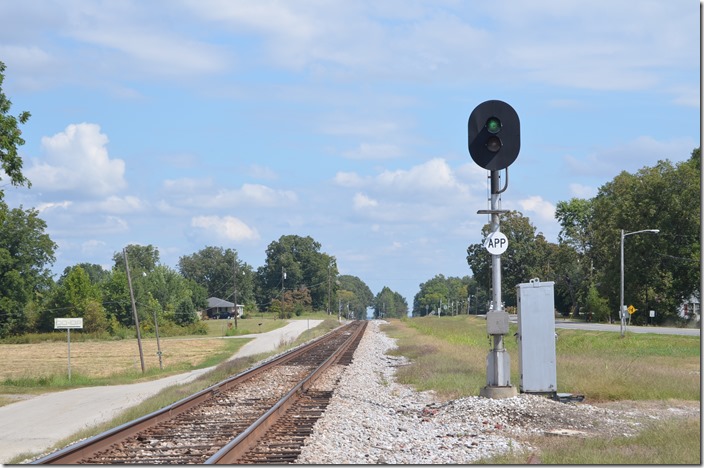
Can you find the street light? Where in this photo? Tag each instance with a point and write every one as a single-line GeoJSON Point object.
{"type": "Point", "coordinates": [621, 306]}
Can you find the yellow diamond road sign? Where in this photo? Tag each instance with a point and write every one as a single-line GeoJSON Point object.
{"type": "Point", "coordinates": [631, 309]}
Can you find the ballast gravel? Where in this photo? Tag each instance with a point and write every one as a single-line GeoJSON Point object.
{"type": "Point", "coordinates": [371, 419]}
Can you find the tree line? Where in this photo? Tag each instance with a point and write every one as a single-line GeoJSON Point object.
{"type": "Point", "coordinates": [296, 278]}
{"type": "Point", "coordinates": [661, 271]}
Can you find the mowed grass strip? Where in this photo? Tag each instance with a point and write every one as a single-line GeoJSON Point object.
{"type": "Point", "coordinates": [669, 442]}
{"type": "Point", "coordinates": [449, 353]}
{"type": "Point", "coordinates": [448, 356]}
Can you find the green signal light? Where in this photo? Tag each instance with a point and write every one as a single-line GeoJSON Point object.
{"type": "Point", "coordinates": [493, 125]}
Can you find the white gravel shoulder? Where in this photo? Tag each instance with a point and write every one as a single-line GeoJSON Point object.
{"type": "Point", "coordinates": [373, 419]}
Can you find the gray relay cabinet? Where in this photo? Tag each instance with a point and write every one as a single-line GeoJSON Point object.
{"type": "Point", "coordinates": [536, 337]}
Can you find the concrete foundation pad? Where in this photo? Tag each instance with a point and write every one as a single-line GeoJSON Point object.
{"type": "Point", "coordinates": [498, 392]}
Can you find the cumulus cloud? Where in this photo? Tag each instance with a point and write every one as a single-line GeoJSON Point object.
{"type": "Point", "coordinates": [203, 193]}
{"type": "Point", "coordinates": [362, 201]}
{"type": "Point", "coordinates": [77, 161]}
{"type": "Point", "coordinates": [582, 191]}
{"type": "Point", "coordinates": [431, 180]}
{"type": "Point", "coordinates": [348, 179]}
{"type": "Point", "coordinates": [226, 228]}
{"type": "Point", "coordinates": [51, 205]}
{"type": "Point", "coordinates": [428, 193]}
{"type": "Point", "coordinates": [543, 208]}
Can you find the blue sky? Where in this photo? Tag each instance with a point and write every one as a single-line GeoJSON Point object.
{"type": "Point", "coordinates": [188, 123]}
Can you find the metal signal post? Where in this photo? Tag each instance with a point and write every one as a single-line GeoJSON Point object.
{"type": "Point", "coordinates": [494, 142]}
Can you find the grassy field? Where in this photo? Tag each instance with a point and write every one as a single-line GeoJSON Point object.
{"type": "Point", "coordinates": [172, 394]}
{"type": "Point", "coordinates": [449, 356]}
{"type": "Point", "coordinates": [40, 367]}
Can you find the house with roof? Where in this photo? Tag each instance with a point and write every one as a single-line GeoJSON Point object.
{"type": "Point", "coordinates": [220, 308]}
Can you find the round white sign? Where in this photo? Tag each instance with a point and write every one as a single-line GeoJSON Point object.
{"type": "Point", "coordinates": [496, 243]}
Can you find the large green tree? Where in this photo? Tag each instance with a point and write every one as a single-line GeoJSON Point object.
{"type": "Point", "coordinates": [11, 139]}
{"type": "Point", "coordinates": [524, 259]}
{"type": "Point", "coordinates": [75, 296]}
{"type": "Point", "coordinates": [661, 270]}
{"type": "Point", "coordinates": [356, 293]}
{"type": "Point", "coordinates": [219, 271]}
{"type": "Point", "coordinates": [294, 262]}
{"type": "Point", "coordinates": [26, 252]}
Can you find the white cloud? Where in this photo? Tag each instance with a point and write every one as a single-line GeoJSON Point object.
{"type": "Point", "coordinates": [77, 161]}
{"type": "Point", "coordinates": [543, 208]}
{"type": "Point", "coordinates": [227, 228]}
{"type": "Point", "coordinates": [582, 191]}
{"type": "Point", "coordinates": [361, 201]}
{"type": "Point", "coordinates": [431, 180]}
{"type": "Point", "coordinates": [203, 194]}
{"type": "Point", "coordinates": [261, 195]}
{"type": "Point", "coordinates": [50, 205]}
{"type": "Point", "coordinates": [348, 179]}
{"type": "Point", "coordinates": [121, 205]}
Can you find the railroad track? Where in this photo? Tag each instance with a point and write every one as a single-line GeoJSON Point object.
{"type": "Point", "coordinates": [262, 415]}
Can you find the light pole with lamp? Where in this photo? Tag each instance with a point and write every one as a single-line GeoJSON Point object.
{"type": "Point", "coordinates": [622, 311]}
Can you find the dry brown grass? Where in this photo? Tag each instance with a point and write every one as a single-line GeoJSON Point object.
{"type": "Point", "coordinates": [101, 358]}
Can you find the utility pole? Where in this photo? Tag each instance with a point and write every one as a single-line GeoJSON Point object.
{"type": "Point", "coordinates": [134, 309]}
{"type": "Point", "coordinates": [283, 276]}
{"type": "Point", "coordinates": [234, 264]}
{"type": "Point", "coordinates": [329, 286]}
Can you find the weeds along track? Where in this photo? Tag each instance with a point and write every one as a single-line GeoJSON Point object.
{"type": "Point", "coordinates": [260, 416]}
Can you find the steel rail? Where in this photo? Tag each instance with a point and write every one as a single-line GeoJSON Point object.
{"type": "Point", "coordinates": [234, 450]}
{"type": "Point", "coordinates": [85, 448]}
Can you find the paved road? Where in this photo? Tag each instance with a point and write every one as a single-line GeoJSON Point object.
{"type": "Point", "coordinates": [616, 327]}
{"type": "Point", "coordinates": [36, 424]}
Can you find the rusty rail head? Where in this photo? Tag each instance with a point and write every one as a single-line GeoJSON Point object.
{"type": "Point", "coordinates": [75, 452]}
{"type": "Point", "coordinates": [234, 450]}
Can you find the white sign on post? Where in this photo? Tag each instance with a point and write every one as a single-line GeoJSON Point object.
{"type": "Point", "coordinates": [61, 323]}
{"type": "Point", "coordinates": [68, 324]}
{"type": "Point", "coordinates": [496, 243]}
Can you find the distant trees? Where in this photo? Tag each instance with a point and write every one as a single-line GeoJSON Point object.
{"type": "Point", "coordinates": [390, 304]}
{"type": "Point", "coordinates": [294, 262]}
{"type": "Point", "coordinates": [450, 296]}
{"type": "Point", "coordinates": [355, 294]}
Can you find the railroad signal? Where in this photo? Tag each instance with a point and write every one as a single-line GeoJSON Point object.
{"type": "Point", "coordinates": [494, 135]}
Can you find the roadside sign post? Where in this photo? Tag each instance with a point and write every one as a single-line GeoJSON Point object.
{"type": "Point", "coordinates": [68, 324]}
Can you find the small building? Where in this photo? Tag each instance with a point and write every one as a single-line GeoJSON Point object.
{"type": "Point", "coordinates": [690, 309]}
{"type": "Point", "coordinates": [220, 308]}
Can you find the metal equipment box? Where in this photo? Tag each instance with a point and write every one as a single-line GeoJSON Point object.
{"type": "Point", "coordinates": [536, 337]}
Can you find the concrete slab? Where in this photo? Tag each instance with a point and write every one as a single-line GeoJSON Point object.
{"type": "Point", "coordinates": [35, 424]}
